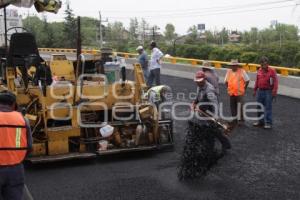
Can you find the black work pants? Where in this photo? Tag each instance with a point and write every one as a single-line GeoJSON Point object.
{"type": "Point", "coordinates": [11, 182]}
{"type": "Point", "coordinates": [154, 74]}
{"type": "Point", "coordinates": [236, 106]}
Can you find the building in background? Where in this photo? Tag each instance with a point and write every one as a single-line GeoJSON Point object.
{"type": "Point", "coordinates": [234, 37]}
{"type": "Point", "coordinates": [13, 20]}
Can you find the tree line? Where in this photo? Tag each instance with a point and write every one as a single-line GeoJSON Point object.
{"type": "Point", "coordinates": [279, 42]}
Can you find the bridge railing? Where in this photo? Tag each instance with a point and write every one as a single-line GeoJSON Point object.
{"type": "Point", "coordinates": [249, 67]}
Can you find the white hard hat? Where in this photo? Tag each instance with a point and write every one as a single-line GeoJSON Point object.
{"type": "Point", "coordinates": [140, 48]}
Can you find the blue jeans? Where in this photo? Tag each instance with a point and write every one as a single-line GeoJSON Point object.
{"type": "Point", "coordinates": [146, 74]}
{"type": "Point", "coordinates": [265, 98]}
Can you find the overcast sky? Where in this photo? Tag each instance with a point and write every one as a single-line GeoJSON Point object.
{"type": "Point", "coordinates": [232, 14]}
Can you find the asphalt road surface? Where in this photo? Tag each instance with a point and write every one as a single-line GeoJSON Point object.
{"type": "Point", "coordinates": [262, 165]}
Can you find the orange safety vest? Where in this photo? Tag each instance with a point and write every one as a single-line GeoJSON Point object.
{"type": "Point", "coordinates": [236, 83]}
{"type": "Point", "coordinates": [13, 138]}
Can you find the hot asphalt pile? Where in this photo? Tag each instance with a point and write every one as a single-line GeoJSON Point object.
{"type": "Point", "coordinates": [199, 153]}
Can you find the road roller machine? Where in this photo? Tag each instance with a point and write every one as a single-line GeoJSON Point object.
{"type": "Point", "coordinates": [84, 108]}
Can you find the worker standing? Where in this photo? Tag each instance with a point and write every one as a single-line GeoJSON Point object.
{"type": "Point", "coordinates": [15, 144]}
{"type": "Point", "coordinates": [237, 82]}
{"type": "Point", "coordinates": [265, 90]}
{"type": "Point", "coordinates": [155, 65]}
{"type": "Point", "coordinates": [143, 60]}
{"type": "Point", "coordinates": [207, 94]}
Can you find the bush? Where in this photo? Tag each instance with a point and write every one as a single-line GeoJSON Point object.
{"type": "Point", "coordinates": [218, 54]}
{"type": "Point", "coordinates": [232, 54]}
{"type": "Point", "coordinates": [274, 59]}
{"type": "Point", "coordinates": [249, 57]}
{"type": "Point", "coordinates": [191, 51]}
{"type": "Point", "coordinates": [297, 59]}
{"type": "Point", "coordinates": [204, 51]}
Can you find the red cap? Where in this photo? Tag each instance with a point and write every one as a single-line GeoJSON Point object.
{"type": "Point", "coordinates": [200, 76]}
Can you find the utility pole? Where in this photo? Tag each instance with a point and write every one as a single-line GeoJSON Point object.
{"type": "Point", "coordinates": [153, 33]}
{"type": "Point", "coordinates": [154, 29]}
{"type": "Point", "coordinates": [100, 29]}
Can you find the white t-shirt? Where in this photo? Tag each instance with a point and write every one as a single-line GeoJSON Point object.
{"type": "Point", "coordinates": [155, 59]}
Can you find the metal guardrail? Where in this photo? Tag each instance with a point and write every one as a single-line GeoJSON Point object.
{"type": "Point", "coordinates": [249, 67]}
{"type": "Point", "coordinates": [52, 50]}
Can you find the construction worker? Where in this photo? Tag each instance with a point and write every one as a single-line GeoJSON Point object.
{"type": "Point", "coordinates": [159, 94]}
{"type": "Point", "coordinates": [143, 60]}
{"type": "Point", "coordinates": [15, 144]}
{"type": "Point", "coordinates": [237, 82]}
{"type": "Point", "coordinates": [265, 90]}
{"type": "Point", "coordinates": [211, 76]}
{"type": "Point", "coordinates": [207, 94]}
{"type": "Point", "coordinates": [154, 65]}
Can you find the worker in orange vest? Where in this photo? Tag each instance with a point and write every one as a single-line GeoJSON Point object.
{"type": "Point", "coordinates": [237, 82]}
{"type": "Point", "coordinates": [15, 144]}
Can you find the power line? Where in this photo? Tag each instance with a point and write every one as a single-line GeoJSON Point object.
{"type": "Point", "coordinates": [200, 9]}
{"type": "Point", "coordinates": [208, 14]}
{"type": "Point", "coordinates": [191, 11]}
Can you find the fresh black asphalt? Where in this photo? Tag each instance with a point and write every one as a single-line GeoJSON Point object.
{"type": "Point", "coordinates": [263, 164]}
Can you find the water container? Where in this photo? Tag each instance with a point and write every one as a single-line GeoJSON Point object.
{"type": "Point", "coordinates": [106, 131]}
{"type": "Point", "coordinates": [112, 71]}
{"type": "Point", "coordinates": [103, 144]}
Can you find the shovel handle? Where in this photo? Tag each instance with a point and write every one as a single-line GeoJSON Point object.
{"type": "Point", "coordinates": [225, 127]}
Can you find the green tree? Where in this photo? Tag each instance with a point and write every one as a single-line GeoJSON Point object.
{"type": "Point", "coordinates": [143, 27]}
{"type": "Point", "coordinates": [133, 31]}
{"type": "Point", "coordinates": [169, 32]}
{"type": "Point", "coordinates": [192, 35]}
{"type": "Point", "coordinates": [70, 28]}
{"type": "Point", "coordinates": [117, 36]}
{"type": "Point", "coordinates": [249, 57]}
{"type": "Point", "coordinates": [48, 36]}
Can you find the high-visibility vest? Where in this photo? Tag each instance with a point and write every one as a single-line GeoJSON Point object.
{"type": "Point", "coordinates": [157, 91]}
{"type": "Point", "coordinates": [236, 83]}
{"type": "Point", "coordinates": [13, 138]}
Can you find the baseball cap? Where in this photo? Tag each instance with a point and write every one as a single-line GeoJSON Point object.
{"type": "Point", "coordinates": [139, 48]}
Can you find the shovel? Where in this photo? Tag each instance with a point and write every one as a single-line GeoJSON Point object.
{"type": "Point", "coordinates": [224, 126]}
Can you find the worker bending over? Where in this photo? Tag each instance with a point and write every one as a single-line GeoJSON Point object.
{"type": "Point", "coordinates": [207, 94]}
{"type": "Point", "coordinates": [159, 94]}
